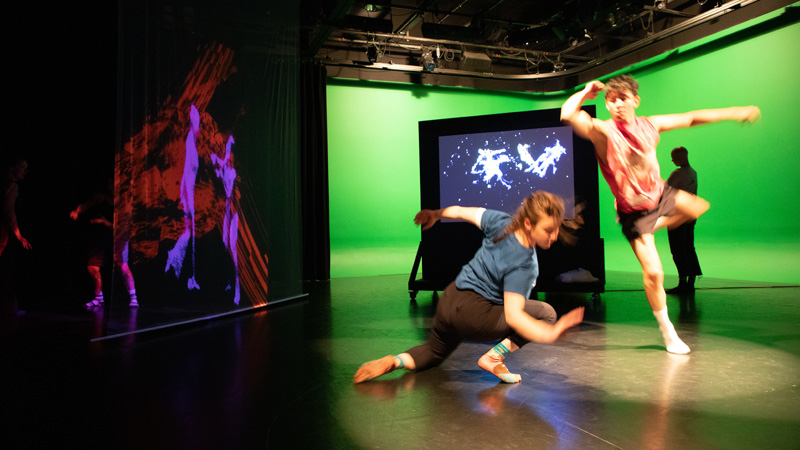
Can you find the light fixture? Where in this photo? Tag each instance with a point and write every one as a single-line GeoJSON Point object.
{"type": "Point", "coordinates": [372, 54]}
{"type": "Point", "coordinates": [558, 65]}
{"type": "Point", "coordinates": [428, 63]}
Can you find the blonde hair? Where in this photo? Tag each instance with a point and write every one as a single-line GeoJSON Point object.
{"type": "Point", "coordinates": [537, 206]}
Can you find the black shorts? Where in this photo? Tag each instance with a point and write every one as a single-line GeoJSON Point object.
{"type": "Point", "coordinates": [637, 223]}
{"type": "Point", "coordinates": [98, 247]}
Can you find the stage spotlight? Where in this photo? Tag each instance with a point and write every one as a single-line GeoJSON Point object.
{"type": "Point", "coordinates": [372, 54]}
{"type": "Point", "coordinates": [428, 63]}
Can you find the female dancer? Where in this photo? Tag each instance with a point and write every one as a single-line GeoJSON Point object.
{"type": "Point", "coordinates": [488, 301]}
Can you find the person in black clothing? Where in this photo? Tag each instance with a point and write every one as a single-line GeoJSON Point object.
{"type": "Point", "coordinates": [99, 210]}
{"type": "Point", "coordinates": [15, 172]}
{"type": "Point", "coordinates": [681, 239]}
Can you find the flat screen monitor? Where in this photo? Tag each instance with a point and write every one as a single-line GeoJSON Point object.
{"type": "Point", "coordinates": [495, 161]}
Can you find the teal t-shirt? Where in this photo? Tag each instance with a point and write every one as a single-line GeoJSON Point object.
{"type": "Point", "coordinates": [505, 266]}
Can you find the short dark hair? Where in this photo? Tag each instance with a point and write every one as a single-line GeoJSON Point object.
{"type": "Point", "coordinates": [680, 150]}
{"type": "Point", "coordinates": [621, 83]}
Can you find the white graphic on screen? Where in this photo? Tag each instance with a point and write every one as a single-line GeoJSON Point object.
{"type": "Point", "coordinates": [482, 169]}
{"type": "Point", "coordinates": [488, 165]}
{"type": "Point", "coordinates": [547, 159]}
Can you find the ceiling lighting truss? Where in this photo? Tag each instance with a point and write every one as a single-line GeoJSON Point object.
{"type": "Point", "coordinates": [531, 62]}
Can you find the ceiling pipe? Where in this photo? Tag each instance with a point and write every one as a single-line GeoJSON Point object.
{"type": "Point", "coordinates": [411, 41]}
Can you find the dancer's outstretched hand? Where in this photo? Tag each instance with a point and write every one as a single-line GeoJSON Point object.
{"type": "Point", "coordinates": [750, 114]}
{"type": "Point", "coordinates": [569, 320]}
{"type": "Point", "coordinates": [25, 244]}
{"type": "Point", "coordinates": [427, 218]}
{"type": "Point", "coordinates": [374, 369]}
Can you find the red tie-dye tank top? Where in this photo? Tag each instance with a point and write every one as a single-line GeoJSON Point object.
{"type": "Point", "coordinates": [632, 171]}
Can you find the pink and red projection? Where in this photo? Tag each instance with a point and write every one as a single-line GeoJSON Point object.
{"type": "Point", "coordinates": [176, 182]}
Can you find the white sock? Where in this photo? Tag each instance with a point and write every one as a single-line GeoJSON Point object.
{"type": "Point", "coordinates": [671, 340]}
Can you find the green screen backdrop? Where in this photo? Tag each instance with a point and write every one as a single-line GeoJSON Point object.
{"type": "Point", "coordinates": [749, 172]}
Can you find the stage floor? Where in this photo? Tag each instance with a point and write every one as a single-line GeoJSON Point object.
{"type": "Point", "coordinates": [281, 376]}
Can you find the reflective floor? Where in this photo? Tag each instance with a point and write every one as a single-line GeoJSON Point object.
{"type": "Point", "coordinates": [280, 377]}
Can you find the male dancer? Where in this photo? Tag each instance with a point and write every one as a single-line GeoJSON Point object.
{"type": "Point", "coordinates": [625, 146]}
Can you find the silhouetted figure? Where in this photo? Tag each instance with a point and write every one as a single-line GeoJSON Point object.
{"type": "Point", "coordinates": [223, 167]}
{"type": "Point", "coordinates": [15, 172]}
{"type": "Point", "coordinates": [681, 239]}
{"type": "Point", "coordinates": [175, 257]}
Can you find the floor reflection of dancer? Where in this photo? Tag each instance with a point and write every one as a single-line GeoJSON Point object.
{"type": "Point", "coordinates": [100, 211]}
{"type": "Point", "coordinates": [488, 300]}
{"type": "Point", "coordinates": [223, 167]}
{"type": "Point", "coordinates": [176, 256]}
{"type": "Point", "coordinates": [625, 146]}
{"type": "Point", "coordinates": [659, 410]}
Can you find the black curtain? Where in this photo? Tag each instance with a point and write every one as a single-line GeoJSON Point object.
{"type": "Point", "coordinates": [314, 172]}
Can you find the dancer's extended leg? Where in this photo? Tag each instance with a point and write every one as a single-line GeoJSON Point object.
{"type": "Point", "coordinates": [378, 367]}
{"type": "Point", "coordinates": [492, 361]}
{"type": "Point", "coordinates": [97, 284]}
{"type": "Point", "coordinates": [178, 253]}
{"type": "Point", "coordinates": [687, 207]}
{"type": "Point", "coordinates": [645, 249]}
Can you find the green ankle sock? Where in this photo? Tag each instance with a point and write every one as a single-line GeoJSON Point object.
{"type": "Point", "coordinates": [501, 350]}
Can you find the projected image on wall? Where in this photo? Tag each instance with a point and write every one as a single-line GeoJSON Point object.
{"type": "Point", "coordinates": [179, 198]}
{"type": "Point", "coordinates": [499, 169]}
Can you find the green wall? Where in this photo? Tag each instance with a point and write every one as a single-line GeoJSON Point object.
{"type": "Point", "coordinates": [749, 173]}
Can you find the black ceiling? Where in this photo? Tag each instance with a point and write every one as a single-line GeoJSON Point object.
{"type": "Point", "coordinates": [524, 45]}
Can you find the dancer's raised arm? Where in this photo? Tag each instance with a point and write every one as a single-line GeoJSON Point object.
{"type": "Point", "coordinates": [428, 217]}
{"type": "Point", "coordinates": [531, 328]}
{"type": "Point", "coordinates": [668, 122]}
